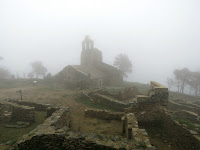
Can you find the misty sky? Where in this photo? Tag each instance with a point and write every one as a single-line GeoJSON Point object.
{"type": "Point", "coordinates": [157, 35]}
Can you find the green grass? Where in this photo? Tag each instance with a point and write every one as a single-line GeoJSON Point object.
{"type": "Point", "coordinates": [185, 97]}
{"type": "Point", "coordinates": [13, 134]}
{"type": "Point", "coordinates": [188, 123]}
{"type": "Point", "coordinates": [92, 104]}
{"type": "Point", "coordinates": [16, 83]}
{"type": "Point", "coordinates": [142, 88]}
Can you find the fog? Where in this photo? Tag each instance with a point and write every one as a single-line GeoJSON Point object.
{"type": "Point", "coordinates": [157, 35]}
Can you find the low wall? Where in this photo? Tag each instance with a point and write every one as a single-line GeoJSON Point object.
{"type": "Point", "coordinates": [157, 94]}
{"type": "Point", "coordinates": [59, 122]}
{"type": "Point", "coordinates": [76, 141]}
{"type": "Point", "coordinates": [181, 136]}
{"type": "Point", "coordinates": [12, 112]}
{"type": "Point", "coordinates": [54, 134]}
{"type": "Point", "coordinates": [105, 100]}
{"type": "Point", "coordinates": [175, 107]}
{"type": "Point", "coordinates": [103, 114]}
{"type": "Point", "coordinates": [38, 107]}
{"type": "Point", "coordinates": [132, 132]}
{"type": "Point", "coordinates": [23, 113]}
{"type": "Point", "coordinates": [157, 117]}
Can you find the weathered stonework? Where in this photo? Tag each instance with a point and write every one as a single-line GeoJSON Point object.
{"type": "Point", "coordinates": [38, 107]}
{"type": "Point", "coordinates": [150, 110]}
{"type": "Point", "coordinates": [103, 114]}
{"type": "Point", "coordinates": [129, 126]}
{"type": "Point", "coordinates": [54, 134]}
{"type": "Point", "coordinates": [108, 101]}
{"type": "Point", "coordinates": [132, 131]}
{"type": "Point", "coordinates": [11, 112]}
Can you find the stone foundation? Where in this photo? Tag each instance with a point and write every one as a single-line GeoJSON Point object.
{"type": "Point", "coordinates": [38, 107]}
{"type": "Point", "coordinates": [11, 112]}
{"type": "Point", "coordinates": [174, 132]}
{"type": "Point", "coordinates": [132, 131]}
{"type": "Point", "coordinates": [103, 114]}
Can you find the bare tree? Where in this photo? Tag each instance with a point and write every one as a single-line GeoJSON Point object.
{"type": "Point", "coordinates": [181, 78]}
{"type": "Point", "coordinates": [194, 82]}
{"type": "Point", "coordinates": [123, 63]}
{"type": "Point", "coordinates": [38, 68]}
{"type": "Point", "coordinates": [170, 83]}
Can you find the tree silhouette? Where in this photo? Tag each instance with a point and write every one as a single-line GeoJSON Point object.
{"type": "Point", "coordinates": [123, 63]}
{"type": "Point", "coordinates": [38, 68]}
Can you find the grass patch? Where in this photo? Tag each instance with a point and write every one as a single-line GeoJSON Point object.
{"type": "Point", "coordinates": [12, 134]}
{"type": "Point", "coordinates": [188, 123]}
{"type": "Point", "coordinates": [92, 104]}
{"type": "Point", "coordinates": [142, 88]}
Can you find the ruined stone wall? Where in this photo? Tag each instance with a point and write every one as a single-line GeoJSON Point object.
{"type": "Point", "coordinates": [179, 135]}
{"type": "Point", "coordinates": [23, 113]}
{"type": "Point", "coordinates": [12, 112]}
{"type": "Point", "coordinates": [59, 122]}
{"type": "Point", "coordinates": [75, 141]}
{"type": "Point", "coordinates": [103, 114]}
{"type": "Point", "coordinates": [132, 131]}
{"type": "Point", "coordinates": [113, 103]}
{"type": "Point", "coordinates": [38, 107]}
{"type": "Point", "coordinates": [54, 134]}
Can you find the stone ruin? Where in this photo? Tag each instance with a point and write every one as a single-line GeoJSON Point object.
{"type": "Point", "coordinates": [134, 115]}
{"type": "Point", "coordinates": [55, 133]}
{"type": "Point", "coordinates": [151, 110]}
{"type": "Point", "coordinates": [130, 129]}
{"type": "Point", "coordinates": [14, 113]}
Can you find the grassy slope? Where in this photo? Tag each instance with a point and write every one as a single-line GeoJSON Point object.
{"type": "Point", "coordinates": [13, 133]}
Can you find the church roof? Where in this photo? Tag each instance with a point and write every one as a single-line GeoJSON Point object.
{"type": "Point", "coordinates": [91, 71]}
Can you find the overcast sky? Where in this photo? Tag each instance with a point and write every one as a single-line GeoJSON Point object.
{"type": "Point", "coordinates": [157, 35]}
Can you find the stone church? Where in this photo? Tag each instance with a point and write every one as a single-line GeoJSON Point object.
{"type": "Point", "coordinates": [92, 71]}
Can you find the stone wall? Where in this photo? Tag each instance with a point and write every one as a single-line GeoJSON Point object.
{"type": "Point", "coordinates": [76, 141]}
{"type": "Point", "coordinates": [54, 134]}
{"type": "Point", "coordinates": [129, 126]}
{"type": "Point", "coordinates": [158, 94]}
{"type": "Point", "coordinates": [38, 107]}
{"type": "Point", "coordinates": [179, 135]}
{"type": "Point", "coordinates": [132, 131]}
{"type": "Point", "coordinates": [103, 114]}
{"type": "Point", "coordinates": [11, 112]}
{"type": "Point", "coordinates": [154, 115]}
{"type": "Point", "coordinates": [58, 122]}
{"type": "Point", "coordinates": [105, 100]}
{"type": "Point", "coordinates": [23, 113]}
